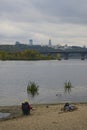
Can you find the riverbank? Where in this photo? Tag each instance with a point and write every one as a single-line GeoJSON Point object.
{"type": "Point", "coordinates": [45, 117]}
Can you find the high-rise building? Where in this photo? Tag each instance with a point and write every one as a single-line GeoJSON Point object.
{"type": "Point", "coordinates": [31, 42]}
{"type": "Point", "coordinates": [50, 42]}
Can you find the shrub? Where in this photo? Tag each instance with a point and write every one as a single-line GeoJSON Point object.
{"type": "Point", "coordinates": [32, 89]}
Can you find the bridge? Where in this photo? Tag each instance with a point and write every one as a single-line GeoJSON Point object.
{"type": "Point", "coordinates": [66, 53]}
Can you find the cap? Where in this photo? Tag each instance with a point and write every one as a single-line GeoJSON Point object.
{"type": "Point", "coordinates": [26, 101]}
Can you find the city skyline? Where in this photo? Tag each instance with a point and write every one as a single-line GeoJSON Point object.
{"type": "Point", "coordinates": [62, 21]}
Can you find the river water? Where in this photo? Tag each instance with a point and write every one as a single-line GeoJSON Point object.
{"type": "Point", "coordinates": [49, 75]}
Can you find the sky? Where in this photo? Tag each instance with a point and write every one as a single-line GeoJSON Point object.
{"type": "Point", "coordinates": [62, 21]}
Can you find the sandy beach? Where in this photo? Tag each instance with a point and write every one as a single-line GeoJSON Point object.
{"type": "Point", "coordinates": [45, 117]}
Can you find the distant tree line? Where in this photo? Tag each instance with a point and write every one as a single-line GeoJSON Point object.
{"type": "Point", "coordinates": [28, 52]}
{"type": "Point", "coordinates": [24, 55]}
{"type": "Point", "coordinates": [22, 47]}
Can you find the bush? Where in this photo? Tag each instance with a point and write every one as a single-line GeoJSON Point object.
{"type": "Point", "coordinates": [32, 89]}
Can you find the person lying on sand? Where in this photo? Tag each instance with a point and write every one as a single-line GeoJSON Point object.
{"type": "Point", "coordinates": [68, 107]}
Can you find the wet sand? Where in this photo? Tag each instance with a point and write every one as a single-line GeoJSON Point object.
{"type": "Point", "coordinates": [45, 117]}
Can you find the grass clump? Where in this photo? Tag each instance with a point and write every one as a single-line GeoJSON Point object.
{"type": "Point", "coordinates": [32, 89]}
{"type": "Point", "coordinates": [68, 86]}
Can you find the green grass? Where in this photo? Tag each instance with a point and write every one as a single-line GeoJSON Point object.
{"type": "Point", "coordinates": [32, 89]}
{"type": "Point", "coordinates": [68, 86]}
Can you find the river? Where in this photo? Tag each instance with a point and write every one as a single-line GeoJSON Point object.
{"type": "Point", "coordinates": [49, 75]}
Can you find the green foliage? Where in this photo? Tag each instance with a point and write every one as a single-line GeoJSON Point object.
{"type": "Point", "coordinates": [23, 55]}
{"type": "Point", "coordinates": [32, 89]}
{"type": "Point", "coordinates": [68, 86]}
{"type": "Point", "coordinates": [19, 47]}
{"type": "Point", "coordinates": [59, 56]}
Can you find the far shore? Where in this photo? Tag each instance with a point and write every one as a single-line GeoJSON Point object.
{"type": "Point", "coordinates": [45, 117]}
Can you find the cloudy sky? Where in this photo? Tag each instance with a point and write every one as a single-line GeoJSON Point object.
{"type": "Point", "coordinates": [62, 21]}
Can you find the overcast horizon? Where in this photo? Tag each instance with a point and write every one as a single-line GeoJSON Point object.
{"type": "Point", "coordinates": [62, 21]}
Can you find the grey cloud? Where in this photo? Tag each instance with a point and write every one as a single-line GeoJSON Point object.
{"type": "Point", "coordinates": [41, 19]}
{"type": "Point", "coordinates": [69, 11]}
{"type": "Point", "coordinates": [17, 10]}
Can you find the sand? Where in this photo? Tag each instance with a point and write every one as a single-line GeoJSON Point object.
{"type": "Point", "coordinates": [46, 117]}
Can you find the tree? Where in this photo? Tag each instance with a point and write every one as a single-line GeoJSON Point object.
{"type": "Point", "coordinates": [59, 56]}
